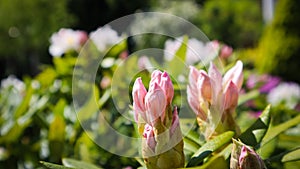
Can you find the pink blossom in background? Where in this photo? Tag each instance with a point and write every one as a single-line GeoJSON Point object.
{"type": "Point", "coordinates": [66, 40]}
{"type": "Point", "coordinates": [226, 51]}
{"type": "Point", "coordinates": [197, 51]}
{"type": "Point", "coordinates": [104, 38]}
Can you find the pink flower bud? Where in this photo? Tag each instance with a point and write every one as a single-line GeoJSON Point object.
{"type": "Point", "coordinates": [155, 104]}
{"type": "Point", "coordinates": [167, 86]}
{"type": "Point", "coordinates": [231, 96]}
{"type": "Point", "coordinates": [235, 74]}
{"type": "Point", "coordinates": [149, 136]}
{"type": "Point", "coordinates": [155, 77]}
{"type": "Point", "coordinates": [249, 159]}
{"type": "Point", "coordinates": [226, 51]}
{"type": "Point", "coordinates": [138, 93]}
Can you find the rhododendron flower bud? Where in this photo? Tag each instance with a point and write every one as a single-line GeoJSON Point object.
{"type": "Point", "coordinates": [226, 51]}
{"type": "Point", "coordinates": [155, 103]}
{"type": "Point", "coordinates": [162, 144]}
{"type": "Point", "coordinates": [214, 99]}
{"type": "Point", "coordinates": [249, 159]}
{"type": "Point", "coordinates": [243, 157]}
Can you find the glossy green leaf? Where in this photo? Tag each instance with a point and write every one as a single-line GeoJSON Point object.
{"type": "Point", "coordinates": [210, 147]}
{"type": "Point", "coordinates": [292, 156]}
{"type": "Point", "coordinates": [68, 162]}
{"type": "Point", "coordinates": [54, 166]}
{"type": "Point", "coordinates": [254, 134]}
{"type": "Point", "coordinates": [276, 130]}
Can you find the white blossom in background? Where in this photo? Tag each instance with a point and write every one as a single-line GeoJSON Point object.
{"type": "Point", "coordinates": [105, 37]}
{"type": "Point", "coordinates": [66, 40]}
{"type": "Point", "coordinates": [12, 81]}
{"type": "Point", "coordinates": [197, 51]}
{"type": "Point", "coordinates": [286, 93]}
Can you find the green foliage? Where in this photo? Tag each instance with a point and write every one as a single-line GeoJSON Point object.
{"type": "Point", "coordinates": [237, 23]}
{"type": "Point", "coordinates": [25, 29]}
{"type": "Point", "coordinates": [279, 47]}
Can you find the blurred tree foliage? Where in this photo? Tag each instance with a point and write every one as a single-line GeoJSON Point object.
{"type": "Point", "coordinates": [25, 27]}
{"type": "Point", "coordinates": [279, 48]}
{"type": "Point", "coordinates": [238, 23]}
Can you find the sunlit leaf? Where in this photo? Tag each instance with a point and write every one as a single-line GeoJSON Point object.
{"type": "Point", "coordinates": [54, 166]}
{"type": "Point", "coordinates": [276, 130]}
{"type": "Point", "coordinates": [292, 156]}
{"type": "Point", "coordinates": [210, 147]}
{"type": "Point", "coordinates": [68, 162]}
{"type": "Point", "coordinates": [254, 134]}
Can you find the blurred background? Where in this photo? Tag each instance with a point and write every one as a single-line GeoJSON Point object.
{"type": "Point", "coordinates": [265, 32]}
{"type": "Point", "coordinates": [37, 119]}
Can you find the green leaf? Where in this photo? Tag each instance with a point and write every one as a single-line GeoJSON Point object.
{"type": "Point", "coordinates": [291, 156]}
{"type": "Point", "coordinates": [177, 65]}
{"type": "Point", "coordinates": [254, 134]}
{"type": "Point", "coordinates": [217, 162]}
{"type": "Point", "coordinates": [62, 67]}
{"type": "Point", "coordinates": [54, 166]}
{"type": "Point", "coordinates": [210, 147]}
{"type": "Point", "coordinates": [91, 106]}
{"type": "Point", "coordinates": [24, 105]}
{"type": "Point", "coordinates": [190, 145]}
{"type": "Point", "coordinates": [46, 77]}
{"type": "Point", "coordinates": [68, 162]}
{"type": "Point", "coordinates": [59, 107]}
{"type": "Point", "coordinates": [275, 131]}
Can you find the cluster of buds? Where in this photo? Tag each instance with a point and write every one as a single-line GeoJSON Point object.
{"type": "Point", "coordinates": [244, 157]}
{"type": "Point", "coordinates": [214, 98]}
{"type": "Point", "coordinates": [162, 145]}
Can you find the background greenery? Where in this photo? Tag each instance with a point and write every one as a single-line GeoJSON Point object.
{"type": "Point", "coordinates": [29, 124]}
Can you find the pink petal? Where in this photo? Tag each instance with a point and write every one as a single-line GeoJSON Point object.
{"type": "Point", "coordinates": [149, 136]}
{"type": "Point", "coordinates": [204, 87]}
{"type": "Point", "coordinates": [235, 74]}
{"type": "Point", "coordinates": [216, 82]}
{"type": "Point", "coordinates": [138, 95]}
{"type": "Point", "coordinates": [231, 96]}
{"type": "Point", "coordinates": [167, 86]}
{"type": "Point", "coordinates": [155, 103]}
